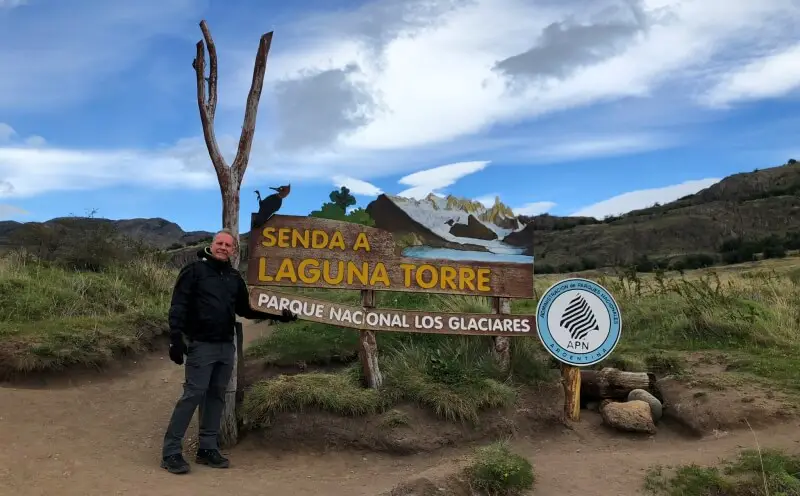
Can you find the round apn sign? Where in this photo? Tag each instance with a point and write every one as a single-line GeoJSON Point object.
{"type": "Point", "coordinates": [578, 322]}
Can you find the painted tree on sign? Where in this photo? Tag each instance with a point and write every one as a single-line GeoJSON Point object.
{"type": "Point", "coordinates": [336, 209]}
{"type": "Point", "coordinates": [229, 177]}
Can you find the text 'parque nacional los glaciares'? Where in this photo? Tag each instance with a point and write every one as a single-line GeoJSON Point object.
{"type": "Point", "coordinates": [322, 253]}
{"type": "Point", "coordinates": [376, 319]}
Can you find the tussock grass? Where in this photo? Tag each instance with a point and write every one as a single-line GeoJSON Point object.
{"type": "Point", "coordinates": [456, 381]}
{"type": "Point", "coordinates": [753, 472]}
{"type": "Point", "coordinates": [51, 318]}
{"type": "Point", "coordinates": [337, 393]}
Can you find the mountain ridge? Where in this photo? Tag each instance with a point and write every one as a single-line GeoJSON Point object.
{"type": "Point", "coordinates": [743, 206]}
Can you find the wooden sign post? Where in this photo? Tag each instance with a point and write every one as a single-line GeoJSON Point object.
{"type": "Point", "coordinates": [321, 253]}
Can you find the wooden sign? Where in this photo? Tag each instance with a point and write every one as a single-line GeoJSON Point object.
{"type": "Point", "coordinates": [383, 319]}
{"type": "Point", "coordinates": [321, 253]}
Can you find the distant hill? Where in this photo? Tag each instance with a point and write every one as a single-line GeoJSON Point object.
{"type": "Point", "coordinates": [158, 233]}
{"type": "Point", "coordinates": [746, 207]}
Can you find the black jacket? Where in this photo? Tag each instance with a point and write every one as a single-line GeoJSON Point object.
{"type": "Point", "coordinates": [206, 299]}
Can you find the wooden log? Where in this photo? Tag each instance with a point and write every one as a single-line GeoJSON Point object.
{"type": "Point", "coordinates": [571, 381]}
{"type": "Point", "coordinates": [368, 347]}
{"type": "Point", "coordinates": [502, 344]}
{"type": "Point", "coordinates": [611, 383]}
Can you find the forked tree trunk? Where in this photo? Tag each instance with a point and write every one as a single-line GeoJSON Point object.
{"type": "Point", "coordinates": [229, 177]}
{"type": "Point", "coordinates": [229, 426]}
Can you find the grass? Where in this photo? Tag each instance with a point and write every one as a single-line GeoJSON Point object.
{"type": "Point", "coordinates": [330, 392]}
{"type": "Point", "coordinates": [496, 470]}
{"type": "Point", "coordinates": [51, 318]}
{"type": "Point", "coordinates": [751, 317]}
{"type": "Point", "coordinates": [752, 473]}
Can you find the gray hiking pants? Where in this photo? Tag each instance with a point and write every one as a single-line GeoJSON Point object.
{"type": "Point", "coordinates": [208, 369]}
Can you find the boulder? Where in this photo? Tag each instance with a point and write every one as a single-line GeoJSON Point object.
{"type": "Point", "coordinates": [656, 409]}
{"type": "Point", "coordinates": [631, 416]}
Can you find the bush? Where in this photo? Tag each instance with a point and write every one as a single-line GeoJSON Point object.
{"type": "Point", "coordinates": [497, 471]}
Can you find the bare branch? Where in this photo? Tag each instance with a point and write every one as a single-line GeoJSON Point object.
{"type": "Point", "coordinates": [206, 112]}
{"type": "Point", "coordinates": [212, 75]}
{"type": "Point", "coordinates": [199, 65]}
{"type": "Point", "coordinates": [251, 108]}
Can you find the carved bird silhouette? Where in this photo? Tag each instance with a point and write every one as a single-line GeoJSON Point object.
{"type": "Point", "coordinates": [271, 204]}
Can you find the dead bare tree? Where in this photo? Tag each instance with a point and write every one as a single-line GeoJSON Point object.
{"type": "Point", "coordinates": [229, 177]}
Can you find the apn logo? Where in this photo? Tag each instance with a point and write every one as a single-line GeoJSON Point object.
{"type": "Point", "coordinates": [579, 319]}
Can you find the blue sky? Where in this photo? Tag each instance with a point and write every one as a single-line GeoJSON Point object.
{"type": "Point", "coordinates": [571, 106]}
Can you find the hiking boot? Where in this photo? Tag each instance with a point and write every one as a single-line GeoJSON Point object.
{"type": "Point", "coordinates": [212, 458]}
{"type": "Point", "coordinates": [175, 464]}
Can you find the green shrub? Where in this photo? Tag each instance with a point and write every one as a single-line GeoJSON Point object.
{"type": "Point", "coordinates": [497, 471]}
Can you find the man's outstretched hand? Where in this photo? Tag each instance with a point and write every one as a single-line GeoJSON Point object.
{"type": "Point", "coordinates": [177, 348]}
{"type": "Point", "coordinates": [287, 316]}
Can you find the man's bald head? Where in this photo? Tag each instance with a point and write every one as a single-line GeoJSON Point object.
{"type": "Point", "coordinates": [223, 245]}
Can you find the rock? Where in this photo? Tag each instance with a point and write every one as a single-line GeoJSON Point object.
{"type": "Point", "coordinates": [474, 229]}
{"type": "Point", "coordinates": [656, 408]}
{"type": "Point", "coordinates": [632, 416]}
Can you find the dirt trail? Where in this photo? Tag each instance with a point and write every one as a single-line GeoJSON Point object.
{"type": "Point", "coordinates": [102, 436]}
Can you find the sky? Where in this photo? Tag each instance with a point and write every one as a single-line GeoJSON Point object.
{"type": "Point", "coordinates": [572, 107]}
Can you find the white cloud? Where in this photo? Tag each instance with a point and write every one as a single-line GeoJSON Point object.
{"type": "Point", "coordinates": [414, 82]}
{"type": "Point", "coordinates": [10, 4]}
{"type": "Point", "coordinates": [600, 146]}
{"type": "Point", "coordinates": [487, 200]}
{"type": "Point", "coordinates": [534, 208]}
{"type": "Point", "coordinates": [35, 141]}
{"type": "Point", "coordinates": [27, 171]}
{"type": "Point", "coordinates": [6, 132]}
{"type": "Point", "coordinates": [357, 186]}
{"type": "Point", "coordinates": [431, 180]}
{"type": "Point", "coordinates": [766, 77]}
{"type": "Point", "coordinates": [438, 83]}
{"type": "Point", "coordinates": [643, 198]}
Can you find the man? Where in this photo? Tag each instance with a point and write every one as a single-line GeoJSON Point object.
{"type": "Point", "coordinates": [208, 295]}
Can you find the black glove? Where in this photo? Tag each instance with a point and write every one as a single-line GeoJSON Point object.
{"type": "Point", "coordinates": [177, 348]}
{"type": "Point", "coordinates": [287, 316]}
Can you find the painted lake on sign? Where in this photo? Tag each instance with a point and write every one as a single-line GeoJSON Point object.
{"type": "Point", "coordinates": [509, 255]}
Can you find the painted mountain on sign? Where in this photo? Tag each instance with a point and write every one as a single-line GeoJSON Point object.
{"type": "Point", "coordinates": [450, 228]}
